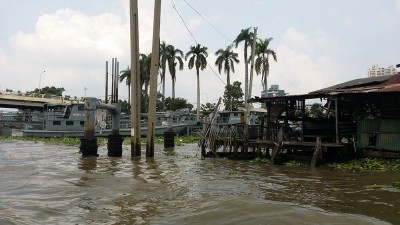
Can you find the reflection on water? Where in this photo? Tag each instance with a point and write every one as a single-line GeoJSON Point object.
{"type": "Point", "coordinates": [53, 184]}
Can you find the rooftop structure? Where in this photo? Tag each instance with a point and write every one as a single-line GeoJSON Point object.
{"type": "Point", "coordinates": [376, 71]}
{"type": "Point", "coordinates": [273, 91]}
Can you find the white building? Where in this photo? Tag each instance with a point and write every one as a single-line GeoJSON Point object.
{"type": "Point", "coordinates": [273, 91]}
{"type": "Point", "coordinates": [376, 71]}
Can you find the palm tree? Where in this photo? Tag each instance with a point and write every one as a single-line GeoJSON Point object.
{"type": "Point", "coordinates": [262, 61]}
{"type": "Point", "coordinates": [175, 55]}
{"type": "Point", "coordinates": [126, 75]}
{"type": "Point", "coordinates": [164, 56]}
{"type": "Point", "coordinates": [245, 36]}
{"type": "Point", "coordinates": [197, 58]}
{"type": "Point", "coordinates": [144, 71]}
{"type": "Point", "coordinates": [226, 58]}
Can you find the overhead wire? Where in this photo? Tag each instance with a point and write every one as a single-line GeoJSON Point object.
{"type": "Point", "coordinates": [215, 28]}
{"type": "Point", "coordinates": [191, 34]}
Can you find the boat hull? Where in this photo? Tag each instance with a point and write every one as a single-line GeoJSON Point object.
{"type": "Point", "coordinates": [179, 129]}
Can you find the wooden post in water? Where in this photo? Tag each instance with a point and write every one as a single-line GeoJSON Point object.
{"type": "Point", "coordinates": [135, 80]}
{"type": "Point", "coordinates": [317, 152]}
{"type": "Point", "coordinates": [153, 80]}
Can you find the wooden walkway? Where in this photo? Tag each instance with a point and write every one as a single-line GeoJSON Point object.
{"type": "Point", "coordinates": [230, 139]}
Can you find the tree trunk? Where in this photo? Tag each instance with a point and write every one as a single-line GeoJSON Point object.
{"type": "Point", "coordinates": [129, 94]}
{"type": "Point", "coordinates": [246, 73]}
{"type": "Point", "coordinates": [198, 94]}
{"type": "Point", "coordinates": [173, 88]}
{"type": "Point", "coordinates": [265, 84]}
{"type": "Point", "coordinates": [163, 84]}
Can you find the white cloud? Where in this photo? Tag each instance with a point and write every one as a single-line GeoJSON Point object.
{"type": "Point", "coordinates": [72, 47]}
{"type": "Point", "coordinates": [305, 63]}
{"type": "Point", "coordinates": [398, 5]}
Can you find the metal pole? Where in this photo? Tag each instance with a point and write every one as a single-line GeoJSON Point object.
{"type": "Point", "coordinates": [112, 80]}
{"type": "Point", "coordinates": [40, 80]}
{"type": "Point", "coordinates": [106, 97]}
{"type": "Point", "coordinates": [153, 80]}
{"type": "Point", "coordinates": [116, 79]}
{"type": "Point", "coordinates": [135, 80]}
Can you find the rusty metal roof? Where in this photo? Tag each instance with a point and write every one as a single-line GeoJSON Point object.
{"type": "Point", "coordinates": [381, 84]}
{"type": "Point", "coordinates": [365, 85]}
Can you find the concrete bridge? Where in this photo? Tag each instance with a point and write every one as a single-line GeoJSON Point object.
{"type": "Point", "coordinates": [23, 101]}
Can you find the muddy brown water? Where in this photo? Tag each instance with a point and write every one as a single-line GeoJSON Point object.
{"type": "Point", "coordinates": [52, 184]}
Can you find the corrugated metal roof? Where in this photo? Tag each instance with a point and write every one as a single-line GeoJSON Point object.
{"type": "Point", "coordinates": [361, 82]}
{"type": "Point", "coordinates": [382, 84]}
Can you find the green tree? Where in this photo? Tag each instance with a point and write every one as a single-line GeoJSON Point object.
{"type": "Point", "coordinates": [175, 57]}
{"type": "Point", "coordinates": [164, 57]}
{"type": "Point", "coordinates": [125, 106]}
{"type": "Point", "coordinates": [50, 90]}
{"type": "Point", "coordinates": [126, 75]}
{"type": "Point", "coordinates": [226, 59]}
{"type": "Point", "coordinates": [197, 59]}
{"type": "Point", "coordinates": [316, 111]}
{"type": "Point", "coordinates": [233, 96]}
{"type": "Point", "coordinates": [177, 103]}
{"type": "Point", "coordinates": [208, 108]}
{"type": "Point", "coordinates": [245, 36]}
{"type": "Point", "coordinates": [262, 61]}
{"type": "Point", "coordinates": [144, 71]}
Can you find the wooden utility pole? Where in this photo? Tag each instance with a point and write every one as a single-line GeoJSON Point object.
{"type": "Point", "coordinates": [135, 80]}
{"type": "Point", "coordinates": [153, 80]}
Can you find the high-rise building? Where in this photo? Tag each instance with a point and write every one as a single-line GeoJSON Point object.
{"type": "Point", "coordinates": [273, 91]}
{"type": "Point", "coordinates": [376, 71]}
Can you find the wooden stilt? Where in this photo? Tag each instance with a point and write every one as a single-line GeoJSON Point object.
{"type": "Point", "coordinates": [317, 153]}
{"type": "Point", "coordinates": [278, 147]}
{"type": "Point", "coordinates": [275, 151]}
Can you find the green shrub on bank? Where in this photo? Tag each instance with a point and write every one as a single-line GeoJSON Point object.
{"type": "Point", "coordinates": [396, 185]}
{"type": "Point", "coordinates": [369, 164]}
{"type": "Point", "coordinates": [179, 140]}
{"type": "Point", "coordinates": [54, 140]}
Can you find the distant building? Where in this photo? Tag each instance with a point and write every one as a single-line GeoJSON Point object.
{"type": "Point", "coordinates": [376, 71]}
{"type": "Point", "coordinates": [273, 91]}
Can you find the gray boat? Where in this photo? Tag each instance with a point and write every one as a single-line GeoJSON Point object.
{"type": "Point", "coordinates": [68, 120]}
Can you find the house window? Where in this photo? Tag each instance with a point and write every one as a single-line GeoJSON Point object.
{"type": "Point", "coordinates": [69, 123]}
{"type": "Point", "coordinates": [82, 123]}
{"type": "Point", "coordinates": [81, 108]}
{"type": "Point", "coordinates": [56, 123]}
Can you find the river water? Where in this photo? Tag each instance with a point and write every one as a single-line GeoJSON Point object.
{"type": "Point", "coordinates": [52, 184]}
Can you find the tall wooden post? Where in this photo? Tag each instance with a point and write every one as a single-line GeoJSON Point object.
{"type": "Point", "coordinates": [135, 80]}
{"type": "Point", "coordinates": [153, 80]}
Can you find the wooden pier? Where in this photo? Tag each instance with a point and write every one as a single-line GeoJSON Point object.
{"type": "Point", "coordinates": [224, 139]}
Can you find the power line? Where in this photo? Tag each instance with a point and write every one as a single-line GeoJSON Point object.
{"type": "Point", "coordinates": [187, 28]}
{"type": "Point", "coordinates": [215, 28]}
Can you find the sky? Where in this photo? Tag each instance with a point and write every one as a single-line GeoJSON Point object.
{"type": "Point", "coordinates": [317, 43]}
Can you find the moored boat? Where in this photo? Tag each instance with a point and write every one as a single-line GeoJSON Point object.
{"type": "Point", "coordinates": [68, 120]}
